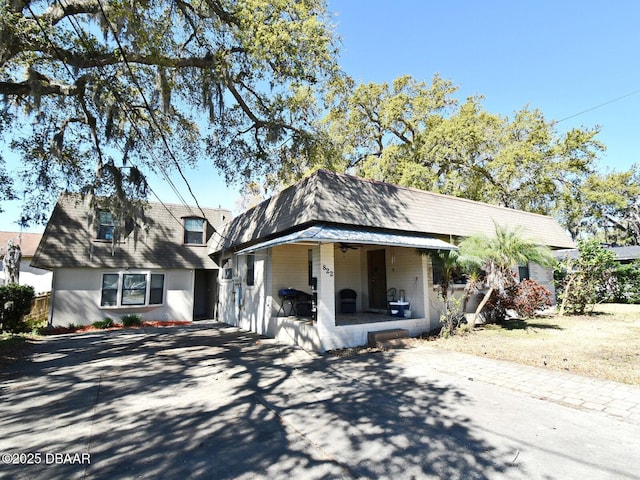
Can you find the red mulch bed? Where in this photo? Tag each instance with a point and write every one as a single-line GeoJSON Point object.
{"type": "Point", "coordinates": [91, 328]}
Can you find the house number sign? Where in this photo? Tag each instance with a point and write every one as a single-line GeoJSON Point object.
{"type": "Point", "coordinates": [327, 270]}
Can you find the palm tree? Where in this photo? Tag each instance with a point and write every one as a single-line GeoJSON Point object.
{"type": "Point", "coordinates": [496, 255]}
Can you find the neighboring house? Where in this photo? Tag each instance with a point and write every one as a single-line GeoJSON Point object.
{"type": "Point", "coordinates": [164, 274]}
{"type": "Point", "coordinates": [39, 279]}
{"type": "Point", "coordinates": [331, 236]}
{"type": "Point", "coordinates": [624, 255]}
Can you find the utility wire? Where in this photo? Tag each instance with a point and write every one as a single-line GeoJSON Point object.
{"type": "Point", "coordinates": [83, 38]}
{"type": "Point", "coordinates": [153, 117]}
{"type": "Point", "coordinates": [635, 92]}
{"type": "Point", "coordinates": [148, 107]}
{"type": "Point", "coordinates": [127, 109]}
{"type": "Point", "coordinates": [124, 105]}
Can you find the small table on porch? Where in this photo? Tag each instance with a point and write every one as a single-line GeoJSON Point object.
{"type": "Point", "coordinates": [398, 308]}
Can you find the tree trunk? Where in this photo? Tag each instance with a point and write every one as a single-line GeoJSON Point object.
{"type": "Point", "coordinates": [566, 293]}
{"type": "Point", "coordinates": [11, 263]}
{"type": "Point", "coordinates": [482, 304]}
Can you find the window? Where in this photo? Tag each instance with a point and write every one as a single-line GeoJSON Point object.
{"type": "Point", "coordinates": [105, 225]}
{"type": "Point", "coordinates": [523, 272]}
{"type": "Point", "coordinates": [457, 276]}
{"type": "Point", "coordinates": [157, 289]}
{"type": "Point", "coordinates": [132, 289]}
{"type": "Point", "coordinates": [251, 271]}
{"type": "Point", "coordinates": [227, 269]}
{"type": "Point", "coordinates": [194, 231]}
{"type": "Point", "coordinates": [110, 289]}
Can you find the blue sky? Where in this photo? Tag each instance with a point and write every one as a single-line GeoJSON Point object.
{"type": "Point", "coordinates": [563, 57]}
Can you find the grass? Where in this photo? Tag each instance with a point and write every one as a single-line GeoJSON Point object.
{"type": "Point", "coordinates": [604, 345]}
{"type": "Point", "coordinates": [13, 347]}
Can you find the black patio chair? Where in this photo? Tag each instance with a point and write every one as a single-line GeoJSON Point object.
{"type": "Point", "coordinates": [348, 300]}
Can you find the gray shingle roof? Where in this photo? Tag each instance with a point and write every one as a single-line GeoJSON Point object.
{"type": "Point", "coordinates": [627, 253]}
{"type": "Point", "coordinates": [70, 241]}
{"type": "Point", "coordinates": [623, 254]}
{"type": "Point", "coordinates": [328, 197]}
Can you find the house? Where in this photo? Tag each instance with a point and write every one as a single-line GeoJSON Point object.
{"type": "Point", "coordinates": [628, 254]}
{"type": "Point", "coordinates": [38, 278]}
{"type": "Point", "coordinates": [289, 264]}
{"type": "Point", "coordinates": [164, 274]}
{"type": "Point", "coordinates": [624, 255]}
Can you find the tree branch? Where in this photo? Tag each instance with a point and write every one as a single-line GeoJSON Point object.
{"type": "Point", "coordinates": [58, 11]}
{"type": "Point", "coordinates": [43, 86]}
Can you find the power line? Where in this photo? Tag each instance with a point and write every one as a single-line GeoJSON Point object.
{"type": "Point", "coordinates": [148, 107]}
{"type": "Point", "coordinates": [635, 92]}
{"type": "Point", "coordinates": [83, 38]}
{"type": "Point", "coordinates": [123, 104]}
{"type": "Point", "coordinates": [126, 107]}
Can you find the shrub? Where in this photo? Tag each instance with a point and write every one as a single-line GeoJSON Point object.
{"type": "Point", "coordinates": [15, 302]}
{"type": "Point", "coordinates": [106, 323]}
{"type": "Point", "coordinates": [587, 280]}
{"type": "Point", "coordinates": [452, 318]}
{"type": "Point", "coordinates": [131, 319]}
{"type": "Point", "coordinates": [495, 310]}
{"type": "Point", "coordinates": [528, 298]}
{"type": "Point", "coordinates": [627, 283]}
{"type": "Point", "coordinates": [525, 298]}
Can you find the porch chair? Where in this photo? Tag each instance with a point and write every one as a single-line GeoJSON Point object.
{"type": "Point", "coordinates": [348, 300]}
{"type": "Point", "coordinates": [391, 297]}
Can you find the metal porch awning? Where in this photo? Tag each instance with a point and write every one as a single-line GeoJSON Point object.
{"type": "Point", "coordinates": [330, 234]}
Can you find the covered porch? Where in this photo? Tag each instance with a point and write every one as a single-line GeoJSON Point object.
{"type": "Point", "coordinates": [323, 262]}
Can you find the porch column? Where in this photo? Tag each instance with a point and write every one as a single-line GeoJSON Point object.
{"type": "Point", "coordinates": [326, 308]}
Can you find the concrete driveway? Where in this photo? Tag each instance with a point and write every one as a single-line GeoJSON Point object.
{"type": "Point", "coordinates": [210, 401]}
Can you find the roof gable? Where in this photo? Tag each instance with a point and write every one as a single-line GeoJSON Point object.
{"type": "Point", "coordinates": [70, 240]}
{"type": "Point", "coordinates": [328, 197]}
{"type": "Point", "coordinates": [28, 242]}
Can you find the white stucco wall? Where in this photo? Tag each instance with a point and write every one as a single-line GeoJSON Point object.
{"type": "Point", "coordinates": [406, 271]}
{"type": "Point", "coordinates": [348, 267]}
{"type": "Point", "coordinates": [289, 269]}
{"type": "Point", "coordinates": [38, 278]}
{"type": "Point", "coordinates": [76, 295]}
{"type": "Point", "coordinates": [246, 304]}
{"type": "Point", "coordinates": [286, 266]}
{"type": "Point", "coordinates": [255, 308]}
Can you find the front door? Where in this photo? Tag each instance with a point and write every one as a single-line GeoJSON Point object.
{"type": "Point", "coordinates": [377, 272]}
{"type": "Point", "coordinates": [204, 294]}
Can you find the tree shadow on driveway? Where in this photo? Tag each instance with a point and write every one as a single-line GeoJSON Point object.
{"type": "Point", "coordinates": [210, 401]}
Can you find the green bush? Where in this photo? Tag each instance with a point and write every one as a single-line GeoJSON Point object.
{"type": "Point", "coordinates": [131, 320]}
{"type": "Point", "coordinates": [586, 280]}
{"type": "Point", "coordinates": [15, 303]}
{"type": "Point", "coordinates": [627, 283]}
{"type": "Point", "coordinates": [106, 323]}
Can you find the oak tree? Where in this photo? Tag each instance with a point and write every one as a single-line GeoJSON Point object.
{"type": "Point", "coordinates": [418, 134]}
{"type": "Point", "coordinates": [97, 93]}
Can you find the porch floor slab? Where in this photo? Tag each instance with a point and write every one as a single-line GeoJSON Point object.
{"type": "Point", "coordinates": [362, 318]}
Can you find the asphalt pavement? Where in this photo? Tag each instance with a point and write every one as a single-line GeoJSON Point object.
{"type": "Point", "coordinates": [211, 401]}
